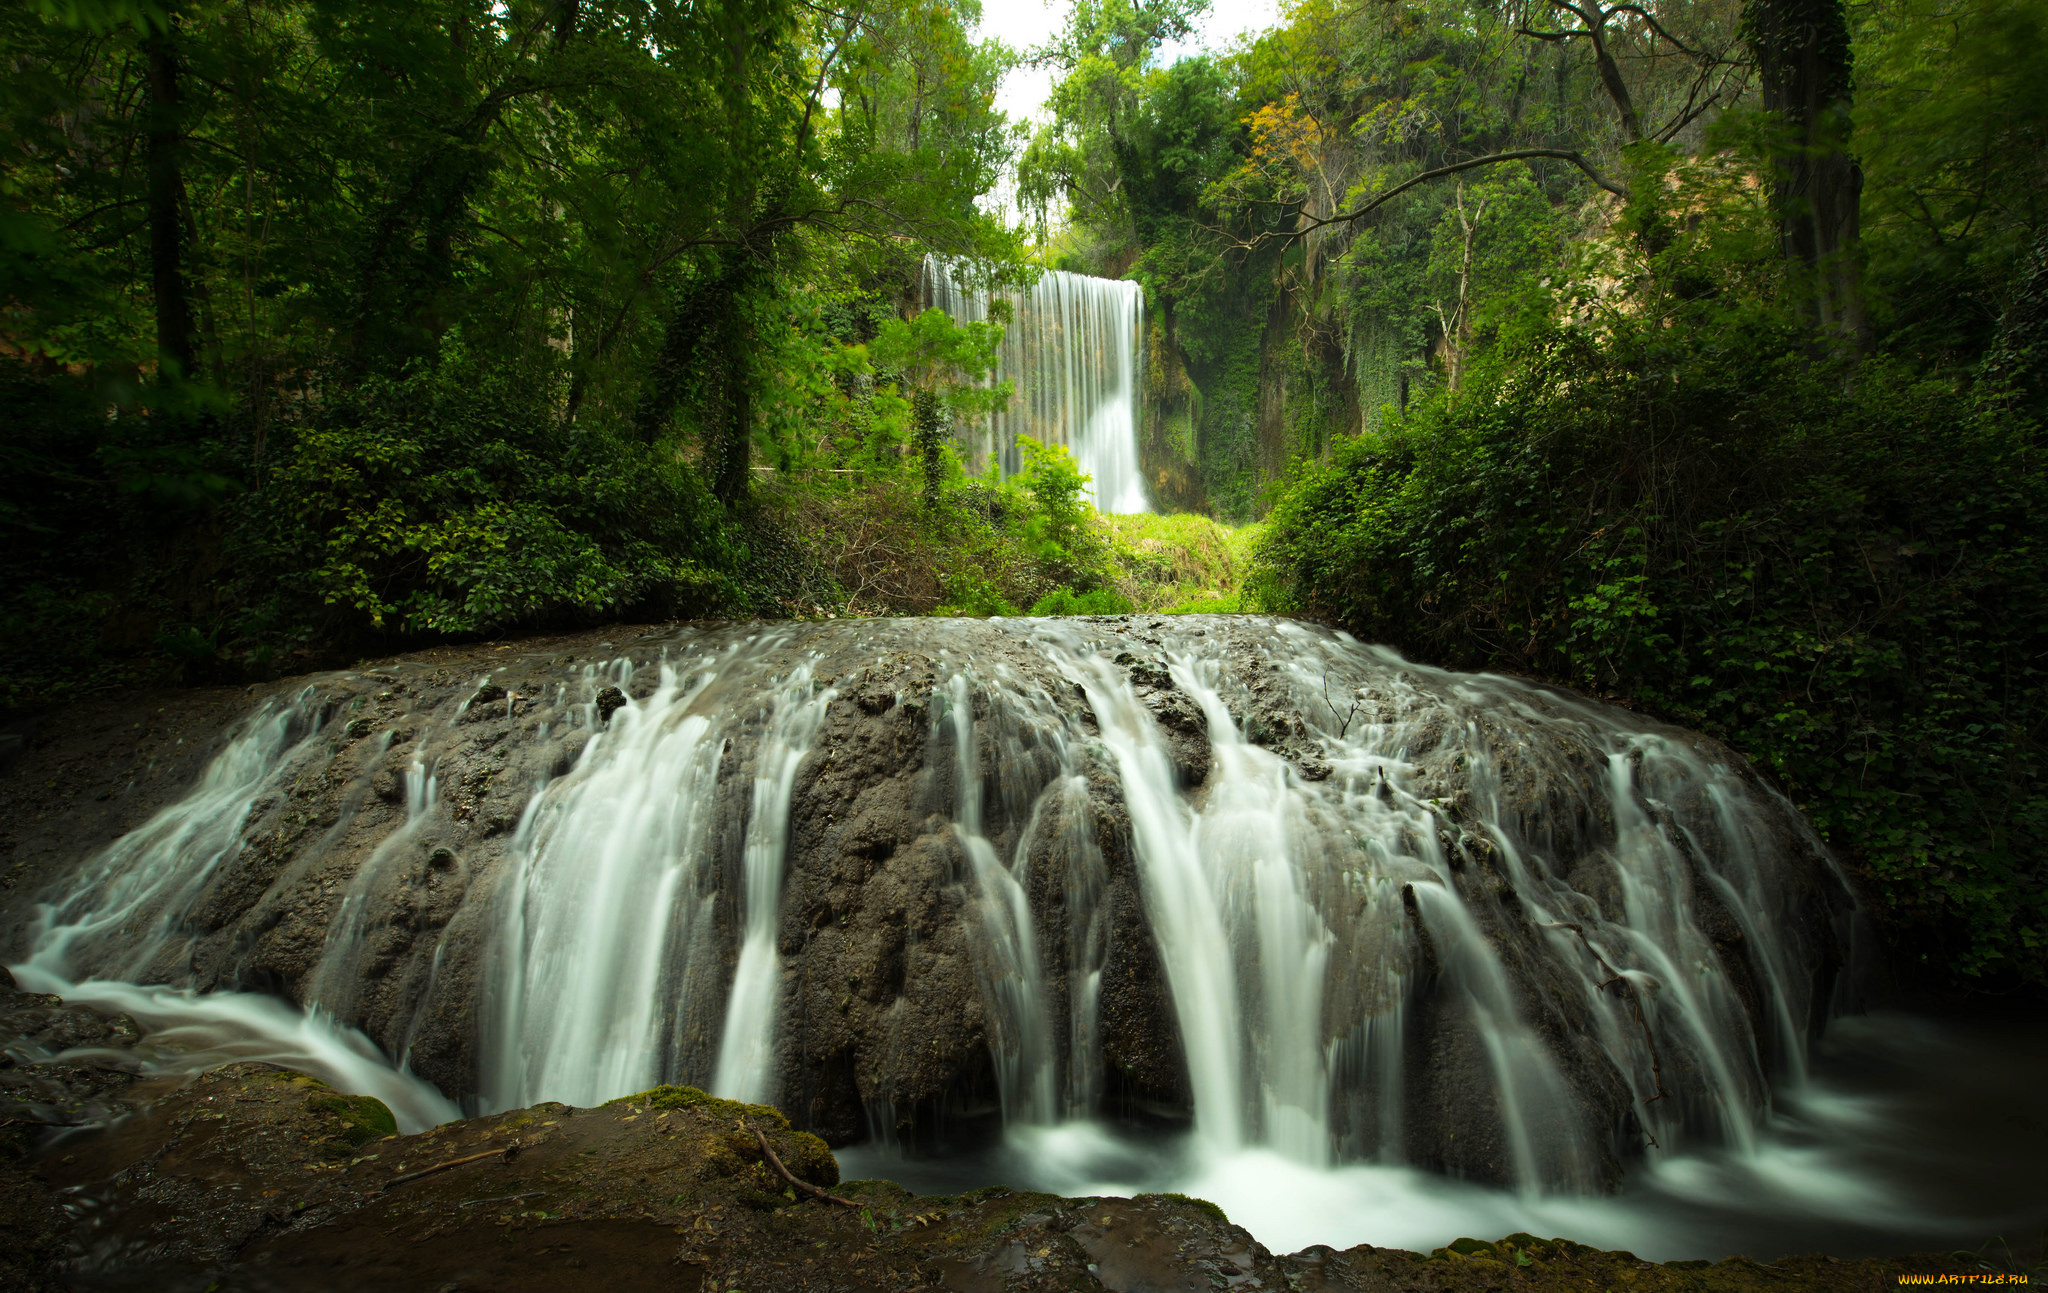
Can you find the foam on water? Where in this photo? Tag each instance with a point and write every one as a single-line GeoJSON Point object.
{"type": "Point", "coordinates": [187, 1032]}
{"type": "Point", "coordinates": [1880, 1153]}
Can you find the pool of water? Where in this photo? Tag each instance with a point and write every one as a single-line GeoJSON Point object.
{"type": "Point", "coordinates": [1912, 1135]}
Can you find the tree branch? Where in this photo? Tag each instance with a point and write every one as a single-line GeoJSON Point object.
{"type": "Point", "coordinates": [1561, 154]}
{"type": "Point", "coordinates": [776, 1163]}
{"type": "Point", "coordinates": [1657, 27]}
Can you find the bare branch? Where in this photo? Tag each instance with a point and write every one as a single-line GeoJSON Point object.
{"type": "Point", "coordinates": [768, 1152]}
{"type": "Point", "coordinates": [1519, 154]}
{"type": "Point", "coordinates": [1658, 27]}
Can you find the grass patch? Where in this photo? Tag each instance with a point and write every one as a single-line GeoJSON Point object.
{"type": "Point", "coordinates": [1180, 563]}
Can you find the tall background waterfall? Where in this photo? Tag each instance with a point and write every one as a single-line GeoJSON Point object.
{"type": "Point", "coordinates": [1324, 911]}
{"type": "Point", "coordinates": [1072, 347]}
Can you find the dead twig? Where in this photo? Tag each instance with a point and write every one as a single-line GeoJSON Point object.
{"type": "Point", "coordinates": [36, 1122]}
{"type": "Point", "coordinates": [1345, 725]}
{"type": "Point", "coordinates": [786, 1175]}
{"type": "Point", "coordinates": [508, 1153]}
{"type": "Point", "coordinates": [1635, 1002]}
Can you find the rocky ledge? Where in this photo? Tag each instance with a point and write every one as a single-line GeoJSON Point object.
{"type": "Point", "coordinates": [252, 1177]}
{"type": "Point", "coordinates": [378, 858]}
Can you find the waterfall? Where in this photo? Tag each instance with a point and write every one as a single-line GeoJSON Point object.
{"type": "Point", "coordinates": [1338, 906]}
{"type": "Point", "coordinates": [610, 955]}
{"type": "Point", "coordinates": [1009, 972]}
{"type": "Point", "coordinates": [1181, 896]}
{"type": "Point", "coordinates": [1072, 349]}
{"type": "Point", "coordinates": [126, 918]}
{"type": "Point", "coordinates": [123, 915]}
{"type": "Point", "coordinates": [746, 1057]}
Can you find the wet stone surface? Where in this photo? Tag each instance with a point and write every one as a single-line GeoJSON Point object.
{"type": "Point", "coordinates": [256, 1178]}
{"type": "Point", "coordinates": [1445, 835]}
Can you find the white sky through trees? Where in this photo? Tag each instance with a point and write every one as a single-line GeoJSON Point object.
{"type": "Point", "coordinates": [1024, 24]}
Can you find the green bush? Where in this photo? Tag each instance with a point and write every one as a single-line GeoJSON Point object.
{"type": "Point", "coordinates": [1840, 571]}
{"type": "Point", "coordinates": [1056, 518]}
{"type": "Point", "coordinates": [1065, 601]}
{"type": "Point", "coordinates": [970, 592]}
{"type": "Point", "coordinates": [456, 500]}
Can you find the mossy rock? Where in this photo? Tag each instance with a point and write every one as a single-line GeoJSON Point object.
{"type": "Point", "coordinates": [668, 1096]}
{"type": "Point", "coordinates": [808, 1158]}
{"type": "Point", "coordinates": [360, 1119]}
{"type": "Point", "coordinates": [880, 1193]}
{"type": "Point", "coordinates": [1211, 1210]}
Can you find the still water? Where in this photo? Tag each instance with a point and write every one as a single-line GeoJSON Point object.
{"type": "Point", "coordinates": [1911, 1135]}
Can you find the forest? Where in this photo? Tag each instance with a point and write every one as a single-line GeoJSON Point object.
{"type": "Point", "coordinates": [1688, 354]}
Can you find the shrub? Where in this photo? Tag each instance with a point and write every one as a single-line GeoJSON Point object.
{"type": "Point", "coordinates": [459, 501]}
{"type": "Point", "coordinates": [1065, 601]}
{"type": "Point", "coordinates": [970, 592]}
{"type": "Point", "coordinates": [1841, 573]}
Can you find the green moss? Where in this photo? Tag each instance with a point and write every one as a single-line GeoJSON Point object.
{"type": "Point", "coordinates": [1171, 562]}
{"type": "Point", "coordinates": [1204, 1205]}
{"type": "Point", "coordinates": [668, 1096]}
{"type": "Point", "coordinates": [1230, 605]}
{"type": "Point", "coordinates": [875, 1191]}
{"type": "Point", "coordinates": [806, 1156]}
{"type": "Point", "coordinates": [363, 1118]}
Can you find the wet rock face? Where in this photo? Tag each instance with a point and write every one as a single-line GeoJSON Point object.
{"type": "Point", "coordinates": [403, 799]}
{"type": "Point", "coordinates": [1471, 846]}
{"type": "Point", "coordinates": [257, 1177]}
{"type": "Point", "coordinates": [62, 1065]}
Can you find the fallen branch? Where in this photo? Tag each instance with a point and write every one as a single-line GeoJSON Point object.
{"type": "Point", "coordinates": [1345, 725]}
{"type": "Point", "coordinates": [1635, 1002]}
{"type": "Point", "coordinates": [786, 1175]}
{"type": "Point", "coordinates": [507, 1153]}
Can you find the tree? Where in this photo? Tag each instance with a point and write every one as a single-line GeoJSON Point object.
{"type": "Point", "coordinates": [945, 364]}
{"type": "Point", "coordinates": [1804, 63]}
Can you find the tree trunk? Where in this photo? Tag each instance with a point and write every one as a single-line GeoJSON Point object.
{"type": "Point", "coordinates": [1610, 77]}
{"type": "Point", "coordinates": [1803, 63]}
{"type": "Point", "coordinates": [164, 184]}
{"type": "Point", "coordinates": [735, 445]}
{"type": "Point", "coordinates": [929, 422]}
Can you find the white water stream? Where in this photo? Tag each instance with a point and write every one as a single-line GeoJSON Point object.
{"type": "Point", "coordinates": [1072, 349]}
{"type": "Point", "coordinates": [1394, 900]}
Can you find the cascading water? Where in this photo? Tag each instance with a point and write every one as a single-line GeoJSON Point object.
{"type": "Point", "coordinates": [610, 953]}
{"type": "Point", "coordinates": [746, 1057]}
{"type": "Point", "coordinates": [123, 914]}
{"type": "Point", "coordinates": [1334, 908]}
{"type": "Point", "coordinates": [1072, 348]}
{"type": "Point", "coordinates": [126, 919]}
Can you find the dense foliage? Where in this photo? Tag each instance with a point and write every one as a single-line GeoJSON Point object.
{"type": "Point", "coordinates": [1676, 353]}
{"type": "Point", "coordinates": [336, 323]}
{"type": "Point", "coordinates": [1667, 494]}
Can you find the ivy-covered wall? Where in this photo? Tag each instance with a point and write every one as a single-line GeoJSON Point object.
{"type": "Point", "coordinates": [1239, 386]}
